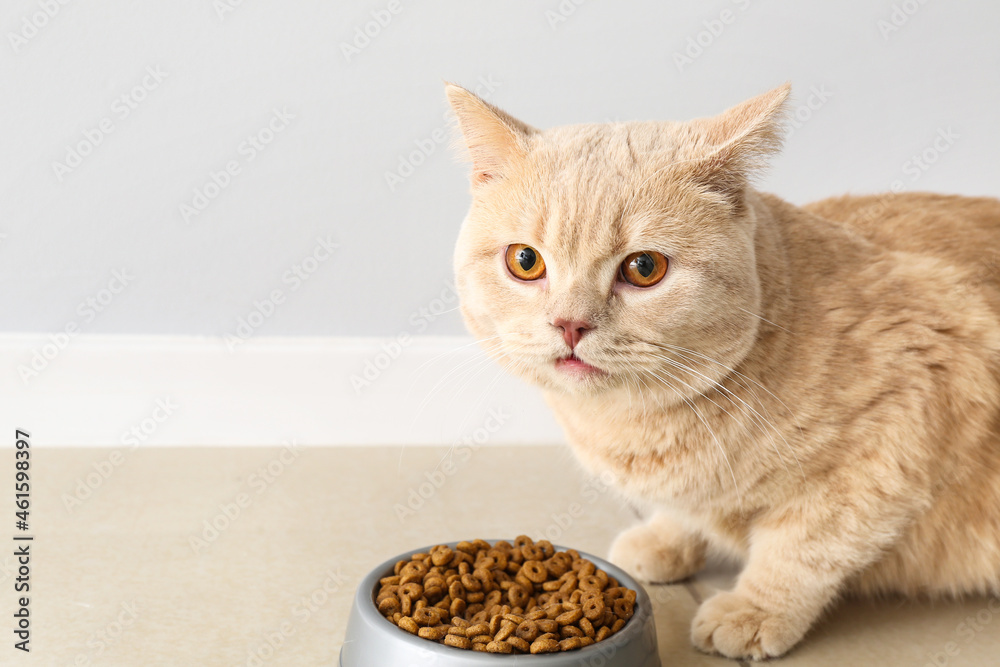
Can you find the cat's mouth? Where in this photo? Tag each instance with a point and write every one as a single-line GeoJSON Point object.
{"type": "Point", "coordinates": [576, 366]}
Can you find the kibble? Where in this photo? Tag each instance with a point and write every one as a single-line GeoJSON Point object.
{"type": "Point", "coordinates": [520, 598]}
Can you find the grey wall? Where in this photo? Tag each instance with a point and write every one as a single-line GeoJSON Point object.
{"type": "Point", "coordinates": [892, 76]}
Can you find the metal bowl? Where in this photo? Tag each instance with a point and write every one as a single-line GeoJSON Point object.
{"type": "Point", "coordinates": [373, 641]}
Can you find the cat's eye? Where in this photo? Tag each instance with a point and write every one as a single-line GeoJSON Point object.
{"type": "Point", "coordinates": [644, 269]}
{"type": "Point", "coordinates": [524, 262]}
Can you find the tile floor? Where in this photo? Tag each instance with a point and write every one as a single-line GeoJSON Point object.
{"type": "Point", "coordinates": [128, 568]}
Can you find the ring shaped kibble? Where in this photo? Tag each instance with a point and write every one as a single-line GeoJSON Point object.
{"type": "Point", "coordinates": [520, 598]}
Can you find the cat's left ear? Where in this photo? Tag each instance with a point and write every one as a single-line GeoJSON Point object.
{"type": "Point", "coordinates": [738, 142]}
{"type": "Point", "coordinates": [494, 138]}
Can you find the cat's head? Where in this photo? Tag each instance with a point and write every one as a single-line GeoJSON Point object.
{"type": "Point", "coordinates": [597, 257]}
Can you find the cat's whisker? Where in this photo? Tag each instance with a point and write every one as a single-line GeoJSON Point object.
{"type": "Point", "coordinates": [628, 372]}
{"type": "Point", "coordinates": [478, 364]}
{"type": "Point", "coordinates": [471, 371]}
{"type": "Point", "coordinates": [759, 424]}
{"type": "Point", "coordinates": [438, 357]}
{"type": "Point", "coordinates": [511, 362]}
{"type": "Point", "coordinates": [481, 358]}
{"type": "Point", "coordinates": [500, 372]}
{"type": "Point", "coordinates": [716, 386]}
{"type": "Point", "coordinates": [673, 348]}
{"type": "Point", "coordinates": [687, 356]}
{"type": "Point", "coordinates": [718, 444]}
{"type": "Point", "coordinates": [628, 388]}
{"type": "Point", "coordinates": [764, 319]}
{"type": "Point", "coordinates": [720, 387]}
{"type": "Point", "coordinates": [642, 394]}
{"type": "Point", "coordinates": [736, 375]}
{"type": "Point", "coordinates": [505, 361]}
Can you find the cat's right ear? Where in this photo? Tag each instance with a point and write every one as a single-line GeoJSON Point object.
{"type": "Point", "coordinates": [738, 142]}
{"type": "Point", "coordinates": [493, 138]}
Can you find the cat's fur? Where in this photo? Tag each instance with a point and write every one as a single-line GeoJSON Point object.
{"type": "Point", "coordinates": [814, 390]}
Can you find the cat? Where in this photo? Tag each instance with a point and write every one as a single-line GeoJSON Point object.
{"type": "Point", "coordinates": [812, 390]}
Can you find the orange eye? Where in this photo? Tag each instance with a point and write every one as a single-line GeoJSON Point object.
{"type": "Point", "coordinates": [644, 269]}
{"type": "Point", "coordinates": [525, 262]}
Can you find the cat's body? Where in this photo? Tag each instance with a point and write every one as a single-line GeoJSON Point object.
{"type": "Point", "coordinates": [816, 410]}
{"type": "Point", "coordinates": [814, 390]}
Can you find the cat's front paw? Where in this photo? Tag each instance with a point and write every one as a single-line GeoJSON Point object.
{"type": "Point", "coordinates": [730, 624]}
{"type": "Point", "coordinates": [658, 553]}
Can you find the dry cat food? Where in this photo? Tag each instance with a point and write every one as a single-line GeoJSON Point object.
{"type": "Point", "coordinates": [518, 598]}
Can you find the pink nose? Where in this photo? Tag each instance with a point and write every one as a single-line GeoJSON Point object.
{"type": "Point", "coordinates": [572, 330]}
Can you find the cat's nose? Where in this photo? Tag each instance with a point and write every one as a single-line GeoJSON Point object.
{"type": "Point", "coordinates": [572, 330]}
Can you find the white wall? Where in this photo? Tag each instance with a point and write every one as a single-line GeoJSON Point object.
{"type": "Point", "coordinates": [131, 391]}
{"type": "Point", "coordinates": [121, 302]}
{"type": "Point", "coordinates": [324, 174]}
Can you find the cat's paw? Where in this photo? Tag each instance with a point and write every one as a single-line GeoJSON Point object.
{"type": "Point", "coordinates": [730, 624]}
{"type": "Point", "coordinates": [657, 553]}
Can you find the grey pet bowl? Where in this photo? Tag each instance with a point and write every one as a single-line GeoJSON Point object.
{"type": "Point", "coordinates": [373, 641]}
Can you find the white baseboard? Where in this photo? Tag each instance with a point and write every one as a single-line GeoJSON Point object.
{"type": "Point", "coordinates": [96, 390]}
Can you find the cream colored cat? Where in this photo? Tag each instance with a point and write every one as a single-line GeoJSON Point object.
{"type": "Point", "coordinates": [815, 390]}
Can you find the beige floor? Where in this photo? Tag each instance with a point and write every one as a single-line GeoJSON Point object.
{"type": "Point", "coordinates": [117, 579]}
